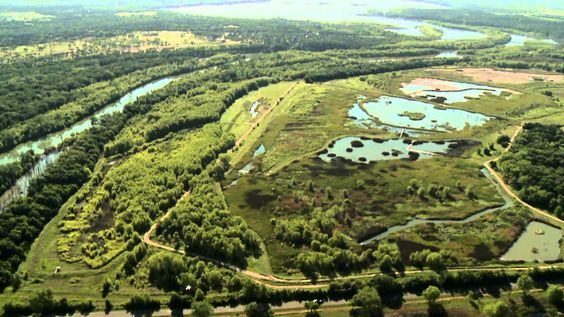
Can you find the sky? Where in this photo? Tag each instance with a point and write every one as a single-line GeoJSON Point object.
{"type": "Point", "coordinates": [384, 4]}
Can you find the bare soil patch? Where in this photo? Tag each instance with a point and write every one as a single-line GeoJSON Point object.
{"type": "Point", "coordinates": [504, 76]}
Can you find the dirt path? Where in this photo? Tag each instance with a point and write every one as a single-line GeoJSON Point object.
{"type": "Point", "coordinates": [262, 116]}
{"type": "Point", "coordinates": [253, 275]}
{"type": "Point", "coordinates": [410, 148]}
{"type": "Point", "coordinates": [508, 189]}
{"type": "Point", "coordinates": [295, 308]}
{"type": "Point", "coordinates": [255, 124]}
{"type": "Point", "coordinates": [274, 282]}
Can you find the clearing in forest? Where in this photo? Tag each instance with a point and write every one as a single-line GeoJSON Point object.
{"type": "Point", "coordinates": [131, 42]}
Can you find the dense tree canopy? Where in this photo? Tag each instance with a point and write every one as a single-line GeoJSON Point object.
{"type": "Point", "coordinates": [534, 166]}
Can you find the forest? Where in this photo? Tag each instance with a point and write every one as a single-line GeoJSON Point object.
{"type": "Point", "coordinates": [534, 166]}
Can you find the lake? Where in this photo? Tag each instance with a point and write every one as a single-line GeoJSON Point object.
{"type": "Point", "coordinates": [331, 11]}
{"type": "Point", "coordinates": [361, 119]}
{"type": "Point", "coordinates": [389, 110]}
{"type": "Point", "coordinates": [517, 40]}
{"type": "Point", "coordinates": [328, 11]}
{"type": "Point", "coordinates": [520, 40]}
{"type": "Point", "coordinates": [362, 150]}
{"type": "Point", "coordinates": [450, 34]}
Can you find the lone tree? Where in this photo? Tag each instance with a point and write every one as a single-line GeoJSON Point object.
{"type": "Point", "coordinates": [366, 303]}
{"type": "Point", "coordinates": [497, 309]}
{"type": "Point", "coordinates": [386, 264]}
{"type": "Point", "coordinates": [431, 294]}
{"type": "Point", "coordinates": [312, 307]}
{"type": "Point", "coordinates": [255, 309]}
{"type": "Point", "coordinates": [108, 307]}
{"type": "Point", "coordinates": [525, 283]}
{"type": "Point", "coordinates": [503, 140]}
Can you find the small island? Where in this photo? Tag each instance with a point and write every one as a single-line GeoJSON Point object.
{"type": "Point", "coordinates": [415, 116]}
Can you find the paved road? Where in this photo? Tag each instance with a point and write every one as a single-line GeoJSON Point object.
{"type": "Point", "coordinates": [296, 306]}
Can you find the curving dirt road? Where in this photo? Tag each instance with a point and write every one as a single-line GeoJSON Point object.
{"type": "Point", "coordinates": [508, 189]}
{"type": "Point", "coordinates": [274, 282]}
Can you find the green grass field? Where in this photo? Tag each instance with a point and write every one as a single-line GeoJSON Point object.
{"type": "Point", "coordinates": [25, 16]}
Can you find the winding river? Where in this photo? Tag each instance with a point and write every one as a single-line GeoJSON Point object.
{"type": "Point", "coordinates": [44, 145]}
{"type": "Point", "coordinates": [54, 139]}
{"type": "Point", "coordinates": [415, 222]}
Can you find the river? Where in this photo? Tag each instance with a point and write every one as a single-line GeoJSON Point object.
{"type": "Point", "coordinates": [54, 139]}
{"type": "Point", "coordinates": [45, 146]}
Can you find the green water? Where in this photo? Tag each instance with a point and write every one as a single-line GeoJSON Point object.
{"type": "Point", "coordinates": [536, 247]}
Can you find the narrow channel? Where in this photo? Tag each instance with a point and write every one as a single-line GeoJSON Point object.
{"type": "Point", "coordinates": [52, 140]}
{"type": "Point", "coordinates": [393, 229]}
{"type": "Point", "coordinates": [21, 187]}
{"type": "Point", "coordinates": [44, 146]}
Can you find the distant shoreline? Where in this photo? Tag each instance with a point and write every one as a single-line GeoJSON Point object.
{"type": "Point", "coordinates": [219, 3]}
